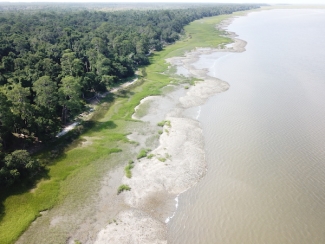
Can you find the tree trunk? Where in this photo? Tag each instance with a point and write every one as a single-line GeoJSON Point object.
{"type": "Point", "coordinates": [64, 115]}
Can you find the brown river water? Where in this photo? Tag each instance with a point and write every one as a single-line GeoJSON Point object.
{"type": "Point", "coordinates": [264, 138]}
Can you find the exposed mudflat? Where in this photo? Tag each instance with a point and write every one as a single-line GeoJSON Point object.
{"type": "Point", "coordinates": [175, 165]}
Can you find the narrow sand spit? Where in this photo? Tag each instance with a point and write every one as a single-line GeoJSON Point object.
{"type": "Point", "coordinates": [176, 164]}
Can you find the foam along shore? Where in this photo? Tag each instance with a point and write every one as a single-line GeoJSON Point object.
{"type": "Point", "coordinates": [176, 164]}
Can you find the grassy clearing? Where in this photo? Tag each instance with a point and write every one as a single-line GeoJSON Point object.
{"type": "Point", "coordinates": [72, 172]}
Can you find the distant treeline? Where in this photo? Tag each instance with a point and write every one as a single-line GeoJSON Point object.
{"type": "Point", "coordinates": [51, 60]}
{"type": "Point", "coordinates": [109, 6]}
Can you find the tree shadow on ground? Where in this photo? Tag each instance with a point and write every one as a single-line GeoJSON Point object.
{"type": "Point", "coordinates": [55, 150]}
{"type": "Point", "coordinates": [124, 93]}
{"type": "Point", "coordinates": [19, 188]}
{"type": "Point", "coordinates": [96, 126]}
{"type": "Point", "coordinates": [109, 97]}
{"type": "Point", "coordinates": [71, 140]}
{"type": "Point", "coordinates": [2, 209]}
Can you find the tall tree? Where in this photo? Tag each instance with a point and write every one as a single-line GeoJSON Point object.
{"type": "Point", "coordinates": [6, 119]}
{"type": "Point", "coordinates": [17, 165]}
{"type": "Point", "coordinates": [46, 101]}
{"type": "Point", "coordinates": [20, 105]}
{"type": "Point", "coordinates": [46, 93]}
{"type": "Point", "coordinates": [70, 64]}
{"type": "Point", "coordinates": [70, 97]}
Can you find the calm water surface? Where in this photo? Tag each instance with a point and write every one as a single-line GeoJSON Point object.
{"type": "Point", "coordinates": [264, 137]}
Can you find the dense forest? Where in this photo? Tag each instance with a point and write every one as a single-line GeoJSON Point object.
{"type": "Point", "coordinates": [51, 61]}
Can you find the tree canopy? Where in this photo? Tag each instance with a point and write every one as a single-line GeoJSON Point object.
{"type": "Point", "coordinates": [51, 59]}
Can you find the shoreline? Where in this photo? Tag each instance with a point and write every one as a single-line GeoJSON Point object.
{"type": "Point", "coordinates": [101, 216]}
{"type": "Point", "coordinates": [178, 162]}
{"type": "Point", "coordinates": [110, 209]}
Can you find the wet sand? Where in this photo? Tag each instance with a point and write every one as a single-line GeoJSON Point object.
{"type": "Point", "coordinates": [177, 163]}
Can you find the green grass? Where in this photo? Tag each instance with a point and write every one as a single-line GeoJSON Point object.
{"type": "Point", "coordinates": [123, 188]}
{"type": "Point", "coordinates": [162, 159]}
{"type": "Point", "coordinates": [161, 123]}
{"type": "Point", "coordinates": [72, 172]}
{"type": "Point", "coordinates": [164, 122]}
{"type": "Point", "coordinates": [150, 156]}
{"type": "Point", "coordinates": [143, 153]}
{"type": "Point", "coordinates": [128, 168]}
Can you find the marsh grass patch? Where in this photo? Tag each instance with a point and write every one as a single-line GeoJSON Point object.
{"type": "Point", "coordinates": [122, 188]}
{"type": "Point", "coordinates": [143, 153]}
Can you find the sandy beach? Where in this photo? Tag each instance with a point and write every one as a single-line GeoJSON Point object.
{"type": "Point", "coordinates": [175, 165]}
